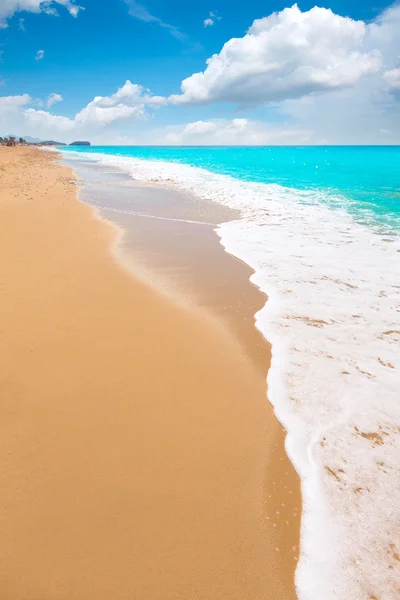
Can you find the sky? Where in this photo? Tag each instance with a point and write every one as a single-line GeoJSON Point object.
{"type": "Point", "coordinates": [201, 72]}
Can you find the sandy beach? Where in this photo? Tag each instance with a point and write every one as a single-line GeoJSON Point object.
{"type": "Point", "coordinates": [139, 455]}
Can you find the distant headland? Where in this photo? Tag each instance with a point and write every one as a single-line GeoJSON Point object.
{"type": "Point", "coordinates": [13, 140]}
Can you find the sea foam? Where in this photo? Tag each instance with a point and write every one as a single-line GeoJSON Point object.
{"type": "Point", "coordinates": [333, 320]}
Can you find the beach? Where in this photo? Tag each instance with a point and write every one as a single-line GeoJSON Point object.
{"type": "Point", "coordinates": [317, 230]}
{"type": "Point", "coordinates": [140, 455]}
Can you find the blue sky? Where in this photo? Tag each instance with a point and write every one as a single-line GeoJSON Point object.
{"type": "Point", "coordinates": [277, 84]}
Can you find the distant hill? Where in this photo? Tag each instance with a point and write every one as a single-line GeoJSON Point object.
{"type": "Point", "coordinates": [31, 140]}
{"type": "Point", "coordinates": [80, 144]}
{"type": "Point", "coordinates": [34, 140]}
{"type": "Point", "coordinates": [27, 138]}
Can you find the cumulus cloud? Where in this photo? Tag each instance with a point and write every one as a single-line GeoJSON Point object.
{"type": "Point", "coordinates": [9, 7]}
{"type": "Point", "coordinates": [324, 76]}
{"type": "Point", "coordinates": [52, 99]}
{"type": "Point", "coordinates": [286, 55]}
{"type": "Point", "coordinates": [43, 120]}
{"type": "Point", "coordinates": [103, 115]}
{"type": "Point", "coordinates": [15, 116]}
{"type": "Point", "coordinates": [8, 103]}
{"type": "Point", "coordinates": [366, 113]}
{"type": "Point", "coordinates": [129, 101]}
{"type": "Point", "coordinates": [39, 55]}
{"type": "Point", "coordinates": [233, 132]}
{"type": "Point", "coordinates": [11, 109]}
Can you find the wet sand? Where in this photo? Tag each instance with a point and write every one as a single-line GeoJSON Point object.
{"type": "Point", "coordinates": [140, 458]}
{"type": "Point", "coordinates": [169, 239]}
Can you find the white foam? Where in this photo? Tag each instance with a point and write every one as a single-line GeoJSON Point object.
{"type": "Point", "coordinates": [333, 319]}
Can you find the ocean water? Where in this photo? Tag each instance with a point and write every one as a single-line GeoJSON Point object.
{"type": "Point", "coordinates": [320, 226]}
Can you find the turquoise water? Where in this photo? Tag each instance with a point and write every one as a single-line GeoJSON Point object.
{"type": "Point", "coordinates": [364, 180]}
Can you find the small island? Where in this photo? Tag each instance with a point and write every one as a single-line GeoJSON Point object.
{"type": "Point", "coordinates": [80, 144]}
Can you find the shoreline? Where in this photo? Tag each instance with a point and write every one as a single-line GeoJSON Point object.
{"type": "Point", "coordinates": [90, 524]}
{"type": "Point", "coordinates": [332, 319]}
{"type": "Point", "coordinates": [172, 243]}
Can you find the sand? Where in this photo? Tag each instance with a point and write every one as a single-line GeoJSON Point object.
{"type": "Point", "coordinates": [139, 456]}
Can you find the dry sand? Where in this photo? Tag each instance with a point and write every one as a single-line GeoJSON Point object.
{"type": "Point", "coordinates": [139, 457]}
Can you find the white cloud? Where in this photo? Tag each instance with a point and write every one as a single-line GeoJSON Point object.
{"type": "Point", "coordinates": [384, 31]}
{"type": "Point", "coordinates": [42, 120]}
{"type": "Point", "coordinates": [138, 11]}
{"type": "Point", "coordinates": [16, 117]}
{"type": "Point", "coordinates": [199, 128]}
{"type": "Point", "coordinates": [211, 19]}
{"type": "Point", "coordinates": [286, 55]}
{"type": "Point", "coordinates": [103, 115]}
{"type": "Point", "coordinates": [39, 55]}
{"type": "Point", "coordinates": [12, 102]}
{"type": "Point", "coordinates": [11, 109]}
{"type": "Point", "coordinates": [9, 7]}
{"type": "Point", "coordinates": [309, 66]}
{"type": "Point", "coordinates": [52, 99]}
{"type": "Point", "coordinates": [366, 113]}
{"type": "Point", "coordinates": [129, 101]}
{"type": "Point", "coordinates": [233, 132]}
{"type": "Point", "coordinates": [392, 78]}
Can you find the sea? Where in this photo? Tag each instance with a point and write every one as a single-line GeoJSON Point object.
{"type": "Point", "coordinates": [320, 227]}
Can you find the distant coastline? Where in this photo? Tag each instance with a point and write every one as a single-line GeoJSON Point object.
{"type": "Point", "coordinates": [14, 140]}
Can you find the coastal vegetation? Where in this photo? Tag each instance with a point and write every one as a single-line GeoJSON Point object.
{"type": "Point", "coordinates": [13, 140]}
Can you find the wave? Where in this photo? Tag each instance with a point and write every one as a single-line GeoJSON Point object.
{"type": "Point", "coordinates": [333, 320]}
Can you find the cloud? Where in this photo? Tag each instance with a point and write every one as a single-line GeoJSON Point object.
{"type": "Point", "coordinates": [212, 17]}
{"type": "Point", "coordinates": [138, 11]}
{"type": "Point", "coordinates": [129, 101]}
{"type": "Point", "coordinates": [52, 99]}
{"type": "Point", "coordinates": [286, 55]}
{"type": "Point", "coordinates": [9, 7]}
{"type": "Point", "coordinates": [39, 55]}
{"type": "Point", "coordinates": [99, 115]}
{"type": "Point", "coordinates": [8, 103]}
{"type": "Point", "coordinates": [16, 116]}
{"type": "Point", "coordinates": [392, 78]}
{"type": "Point", "coordinates": [369, 111]}
{"type": "Point", "coordinates": [327, 79]}
{"type": "Point", "coordinates": [42, 120]}
{"type": "Point", "coordinates": [233, 132]}
{"type": "Point", "coordinates": [21, 24]}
